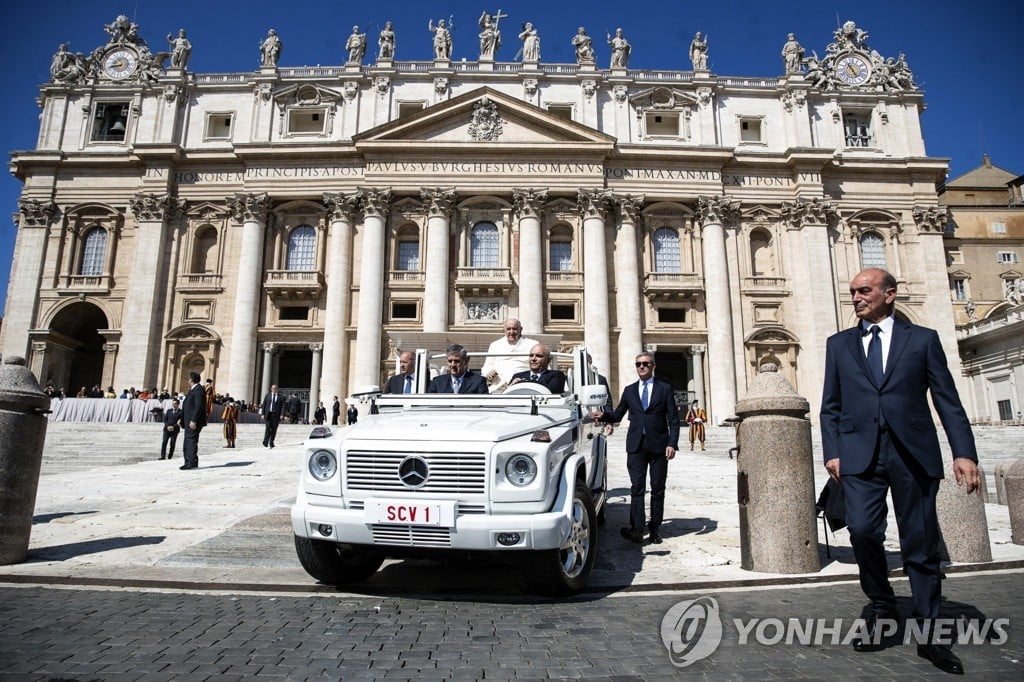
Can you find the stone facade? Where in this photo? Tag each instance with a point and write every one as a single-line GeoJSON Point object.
{"type": "Point", "coordinates": [298, 225]}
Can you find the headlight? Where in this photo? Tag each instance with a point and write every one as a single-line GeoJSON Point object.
{"type": "Point", "coordinates": [323, 464]}
{"type": "Point", "coordinates": [521, 470]}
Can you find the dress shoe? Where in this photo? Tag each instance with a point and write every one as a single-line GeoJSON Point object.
{"type": "Point", "coordinates": [942, 657]}
{"type": "Point", "coordinates": [632, 535]}
{"type": "Point", "coordinates": [655, 537]}
{"type": "Point", "coordinates": [872, 640]}
{"type": "Point", "coordinates": [188, 466]}
{"type": "Point", "coordinates": [162, 457]}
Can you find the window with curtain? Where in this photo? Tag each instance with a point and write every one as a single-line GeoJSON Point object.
{"type": "Point", "coordinates": [301, 248]}
{"type": "Point", "coordinates": [666, 250]}
{"type": "Point", "coordinates": [872, 250]}
{"type": "Point", "coordinates": [408, 255]}
{"type": "Point", "coordinates": [483, 247]}
{"type": "Point", "coordinates": [560, 256]}
{"type": "Point", "coordinates": [94, 250]}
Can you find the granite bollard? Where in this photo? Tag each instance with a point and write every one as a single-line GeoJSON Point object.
{"type": "Point", "coordinates": [1015, 500]}
{"type": "Point", "coordinates": [23, 407]}
{"type": "Point", "coordinates": [775, 478]}
{"type": "Point", "coordinates": [963, 525]}
{"type": "Point", "coordinates": [1001, 482]}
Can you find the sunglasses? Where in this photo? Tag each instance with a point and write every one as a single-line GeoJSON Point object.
{"type": "Point", "coordinates": [644, 364]}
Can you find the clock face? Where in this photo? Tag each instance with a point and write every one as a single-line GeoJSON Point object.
{"type": "Point", "coordinates": [852, 70]}
{"type": "Point", "coordinates": [120, 64]}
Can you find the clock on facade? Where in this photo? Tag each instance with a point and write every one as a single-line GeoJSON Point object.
{"type": "Point", "coordinates": [120, 64]}
{"type": "Point", "coordinates": [852, 69]}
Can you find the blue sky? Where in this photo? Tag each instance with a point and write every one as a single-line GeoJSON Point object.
{"type": "Point", "coordinates": [966, 56]}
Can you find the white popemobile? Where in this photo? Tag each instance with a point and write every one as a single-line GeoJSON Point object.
{"type": "Point", "coordinates": [425, 474]}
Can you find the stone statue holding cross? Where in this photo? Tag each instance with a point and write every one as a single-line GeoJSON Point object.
{"type": "Point", "coordinates": [490, 36]}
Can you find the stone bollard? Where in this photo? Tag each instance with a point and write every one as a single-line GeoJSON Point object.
{"type": "Point", "coordinates": [775, 478]}
{"type": "Point", "coordinates": [963, 526]}
{"type": "Point", "coordinates": [1015, 500]}
{"type": "Point", "coordinates": [22, 431]}
{"type": "Point", "coordinates": [1001, 482]}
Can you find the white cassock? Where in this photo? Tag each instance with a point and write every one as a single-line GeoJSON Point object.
{"type": "Point", "coordinates": [507, 366]}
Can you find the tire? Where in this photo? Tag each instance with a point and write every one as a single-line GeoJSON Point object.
{"type": "Point", "coordinates": [602, 514]}
{"type": "Point", "coordinates": [334, 564]}
{"type": "Point", "coordinates": [566, 570]}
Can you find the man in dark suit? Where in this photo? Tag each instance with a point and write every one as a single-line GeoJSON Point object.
{"type": "Point", "coordinates": [172, 425]}
{"type": "Point", "coordinates": [294, 407]}
{"type": "Point", "coordinates": [877, 434]}
{"type": "Point", "coordinates": [651, 441]}
{"type": "Point", "coordinates": [335, 411]}
{"type": "Point", "coordinates": [460, 379]}
{"type": "Point", "coordinates": [540, 358]}
{"type": "Point", "coordinates": [405, 380]}
{"type": "Point", "coordinates": [271, 409]}
{"type": "Point", "coordinates": [194, 418]}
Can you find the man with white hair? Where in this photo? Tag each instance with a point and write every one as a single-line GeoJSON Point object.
{"type": "Point", "coordinates": [498, 370]}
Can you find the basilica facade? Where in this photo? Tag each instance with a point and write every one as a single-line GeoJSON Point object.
{"type": "Point", "coordinates": [300, 225]}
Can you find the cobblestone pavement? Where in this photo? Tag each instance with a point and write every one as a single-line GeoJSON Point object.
{"type": "Point", "coordinates": [115, 634]}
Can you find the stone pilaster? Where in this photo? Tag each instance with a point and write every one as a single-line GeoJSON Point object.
{"type": "Point", "coordinates": [314, 385]}
{"type": "Point", "coordinates": [252, 210]}
{"type": "Point", "coordinates": [627, 283]}
{"type": "Point", "coordinates": [342, 210]}
{"type": "Point", "coordinates": [528, 203]}
{"type": "Point", "coordinates": [268, 368]}
{"type": "Point", "coordinates": [592, 206]}
{"type": "Point", "coordinates": [439, 203]}
{"type": "Point", "coordinates": [33, 220]}
{"type": "Point", "coordinates": [375, 203]}
{"type": "Point", "coordinates": [697, 358]}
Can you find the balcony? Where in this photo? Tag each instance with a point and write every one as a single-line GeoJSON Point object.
{"type": "Point", "coordinates": [200, 282]}
{"type": "Point", "coordinates": [484, 281]}
{"type": "Point", "coordinates": [406, 279]}
{"type": "Point", "coordinates": [563, 280]}
{"type": "Point", "coordinates": [294, 284]}
{"type": "Point", "coordinates": [673, 286]}
{"type": "Point", "coordinates": [86, 284]}
{"type": "Point", "coordinates": [760, 283]}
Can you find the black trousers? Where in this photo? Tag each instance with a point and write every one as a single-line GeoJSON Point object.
{"type": "Point", "coordinates": [638, 464]}
{"type": "Point", "coordinates": [190, 446]}
{"type": "Point", "coordinates": [169, 436]}
{"type": "Point", "coordinates": [270, 429]}
{"type": "Point", "coordinates": [913, 499]}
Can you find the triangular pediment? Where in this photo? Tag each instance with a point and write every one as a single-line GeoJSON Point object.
{"type": "Point", "coordinates": [663, 98]}
{"type": "Point", "coordinates": [206, 210]}
{"type": "Point", "coordinates": [482, 118]}
{"type": "Point", "coordinates": [305, 94]}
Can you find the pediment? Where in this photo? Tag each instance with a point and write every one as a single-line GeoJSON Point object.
{"type": "Point", "coordinates": [660, 97]}
{"type": "Point", "coordinates": [305, 95]}
{"type": "Point", "coordinates": [760, 213]}
{"type": "Point", "coordinates": [206, 210]}
{"type": "Point", "coordinates": [481, 118]}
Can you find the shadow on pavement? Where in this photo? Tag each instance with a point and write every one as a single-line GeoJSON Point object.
{"type": "Point", "coordinates": [65, 552]}
{"type": "Point", "coordinates": [46, 518]}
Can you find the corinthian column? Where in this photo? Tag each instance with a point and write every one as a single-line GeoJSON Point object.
{"type": "Point", "coordinates": [342, 209]}
{"type": "Point", "coordinates": [435, 288]}
{"type": "Point", "coordinates": [251, 210]}
{"type": "Point", "coordinates": [712, 212]}
{"type": "Point", "coordinates": [592, 204]}
{"type": "Point", "coordinates": [528, 204]}
{"type": "Point", "coordinates": [627, 283]}
{"type": "Point", "coordinates": [34, 218]}
{"type": "Point", "coordinates": [140, 324]}
{"type": "Point", "coordinates": [371, 287]}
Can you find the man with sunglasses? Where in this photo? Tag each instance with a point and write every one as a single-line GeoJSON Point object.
{"type": "Point", "coordinates": [651, 441]}
{"type": "Point", "coordinates": [540, 358]}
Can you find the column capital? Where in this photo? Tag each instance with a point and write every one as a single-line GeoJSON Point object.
{"type": "Point", "coordinates": [698, 350]}
{"type": "Point", "coordinates": [716, 209]}
{"type": "Point", "coordinates": [316, 347]}
{"type": "Point", "coordinates": [110, 347]}
{"type": "Point", "coordinates": [269, 347]}
{"type": "Point", "coordinates": [34, 213]}
{"type": "Point", "coordinates": [528, 202]}
{"type": "Point", "coordinates": [439, 200]}
{"type": "Point", "coordinates": [160, 207]}
{"type": "Point", "coordinates": [813, 211]}
{"type": "Point", "coordinates": [375, 202]}
{"type": "Point", "coordinates": [341, 206]}
{"type": "Point", "coordinates": [629, 206]}
{"type": "Point", "coordinates": [592, 203]}
{"type": "Point", "coordinates": [249, 207]}
{"type": "Point", "coordinates": [931, 218]}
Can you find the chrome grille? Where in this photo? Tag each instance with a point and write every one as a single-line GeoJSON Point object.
{"type": "Point", "coordinates": [420, 536]}
{"type": "Point", "coordinates": [451, 473]}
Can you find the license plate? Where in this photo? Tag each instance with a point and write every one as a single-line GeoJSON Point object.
{"type": "Point", "coordinates": [409, 513]}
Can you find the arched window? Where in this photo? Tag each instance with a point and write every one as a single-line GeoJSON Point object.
{"type": "Point", "coordinates": [483, 246]}
{"type": "Point", "coordinates": [872, 251]}
{"type": "Point", "coordinates": [408, 249]}
{"type": "Point", "coordinates": [94, 251]}
{"type": "Point", "coordinates": [666, 250]}
{"type": "Point", "coordinates": [204, 257]}
{"type": "Point", "coordinates": [301, 248]}
{"type": "Point", "coordinates": [560, 249]}
{"type": "Point", "coordinates": [761, 262]}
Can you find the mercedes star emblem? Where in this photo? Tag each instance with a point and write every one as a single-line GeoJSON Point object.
{"type": "Point", "coordinates": [413, 471]}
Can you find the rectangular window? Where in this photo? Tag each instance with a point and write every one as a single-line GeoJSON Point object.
{"type": "Point", "coordinates": [110, 122]}
{"type": "Point", "coordinates": [857, 129]}
{"type": "Point", "coordinates": [218, 126]}
{"type": "Point", "coordinates": [563, 312]}
{"type": "Point", "coordinates": [408, 255]}
{"type": "Point", "coordinates": [1006, 257]}
{"type": "Point", "coordinates": [403, 311]}
{"type": "Point", "coordinates": [410, 108]}
{"type": "Point", "coordinates": [1005, 410]}
{"type": "Point", "coordinates": [959, 290]}
{"type": "Point", "coordinates": [671, 315]}
{"type": "Point", "coordinates": [294, 312]}
{"type": "Point", "coordinates": [560, 256]}
{"type": "Point", "coordinates": [999, 228]}
{"type": "Point", "coordinates": [563, 111]}
{"type": "Point", "coordinates": [663, 124]}
{"type": "Point", "coordinates": [306, 121]}
{"type": "Point", "coordinates": [750, 130]}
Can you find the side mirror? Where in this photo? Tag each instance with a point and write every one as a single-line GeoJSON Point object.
{"type": "Point", "coordinates": [593, 396]}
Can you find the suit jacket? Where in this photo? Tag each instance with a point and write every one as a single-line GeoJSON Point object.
{"type": "Point", "coordinates": [471, 383]}
{"type": "Point", "coordinates": [853, 408]}
{"type": "Point", "coordinates": [660, 422]}
{"type": "Point", "coordinates": [194, 407]}
{"type": "Point", "coordinates": [396, 384]}
{"type": "Point", "coordinates": [601, 379]}
{"type": "Point", "coordinates": [551, 378]}
{"type": "Point", "coordinates": [172, 417]}
{"type": "Point", "coordinates": [278, 407]}
{"type": "Point", "coordinates": [336, 409]}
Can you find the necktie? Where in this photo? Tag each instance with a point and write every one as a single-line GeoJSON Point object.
{"type": "Point", "coordinates": [456, 383]}
{"type": "Point", "coordinates": [644, 400]}
{"type": "Point", "coordinates": [875, 355]}
{"type": "Point", "coordinates": [408, 385]}
{"type": "Point", "coordinates": [534, 377]}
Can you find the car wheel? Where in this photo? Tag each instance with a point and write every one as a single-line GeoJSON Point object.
{"type": "Point", "coordinates": [335, 564]}
{"type": "Point", "coordinates": [566, 570]}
